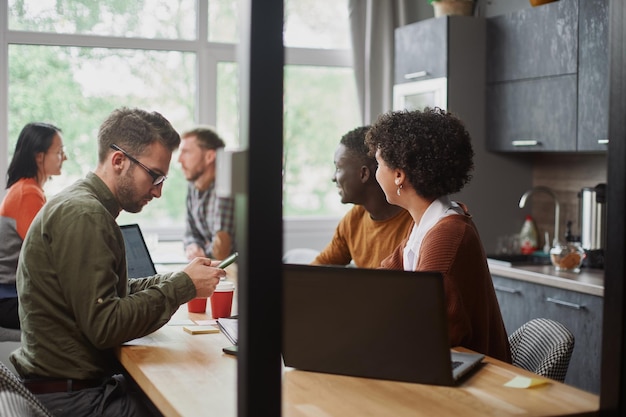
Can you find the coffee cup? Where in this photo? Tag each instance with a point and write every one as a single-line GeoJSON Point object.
{"type": "Point", "coordinates": [222, 300]}
{"type": "Point", "coordinates": [197, 305]}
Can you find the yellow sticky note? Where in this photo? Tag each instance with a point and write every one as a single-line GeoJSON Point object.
{"type": "Point", "coordinates": [525, 382]}
{"type": "Point", "coordinates": [201, 329]}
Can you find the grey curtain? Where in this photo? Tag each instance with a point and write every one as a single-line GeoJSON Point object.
{"type": "Point", "coordinates": [372, 24]}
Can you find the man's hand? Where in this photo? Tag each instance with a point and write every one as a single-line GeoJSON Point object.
{"type": "Point", "coordinates": [205, 275]}
{"type": "Point", "coordinates": [194, 251]}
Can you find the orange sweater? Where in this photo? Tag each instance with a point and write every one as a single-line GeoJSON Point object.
{"type": "Point", "coordinates": [364, 240]}
{"type": "Point", "coordinates": [453, 247]}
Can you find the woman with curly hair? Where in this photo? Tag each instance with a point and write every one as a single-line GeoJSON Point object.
{"type": "Point", "coordinates": [423, 157]}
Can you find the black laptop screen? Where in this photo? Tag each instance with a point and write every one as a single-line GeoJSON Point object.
{"type": "Point", "coordinates": [137, 255]}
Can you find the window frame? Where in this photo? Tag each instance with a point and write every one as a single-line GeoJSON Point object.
{"type": "Point", "coordinates": [209, 55]}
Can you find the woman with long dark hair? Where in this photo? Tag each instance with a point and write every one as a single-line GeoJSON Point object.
{"type": "Point", "coordinates": [38, 155]}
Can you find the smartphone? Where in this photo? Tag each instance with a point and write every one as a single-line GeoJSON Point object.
{"type": "Point", "coordinates": [229, 260]}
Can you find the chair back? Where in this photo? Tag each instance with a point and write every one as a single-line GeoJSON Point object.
{"type": "Point", "coordinates": [542, 346]}
{"type": "Point", "coordinates": [16, 399]}
{"type": "Point", "coordinates": [10, 335]}
{"type": "Point", "coordinates": [300, 256]}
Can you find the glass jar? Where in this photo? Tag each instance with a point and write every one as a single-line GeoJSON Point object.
{"type": "Point", "coordinates": [568, 257]}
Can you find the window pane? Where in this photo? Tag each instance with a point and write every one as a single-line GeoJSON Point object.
{"type": "Point", "coordinates": [308, 23]}
{"type": "Point", "coordinates": [320, 107]}
{"type": "Point", "coordinates": [317, 24]}
{"type": "Point", "coordinates": [223, 21]}
{"type": "Point", "coordinates": [228, 103]}
{"type": "Point", "coordinates": [153, 19]}
{"type": "Point", "coordinates": [77, 88]}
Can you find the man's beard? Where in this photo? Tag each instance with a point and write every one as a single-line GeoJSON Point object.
{"type": "Point", "coordinates": [128, 196]}
{"type": "Point", "coordinates": [194, 175]}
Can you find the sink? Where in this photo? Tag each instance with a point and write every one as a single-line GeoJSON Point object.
{"type": "Point", "coordinates": [520, 259]}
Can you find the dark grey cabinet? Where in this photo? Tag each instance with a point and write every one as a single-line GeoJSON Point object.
{"type": "Point", "coordinates": [451, 47]}
{"type": "Point", "coordinates": [535, 42]}
{"type": "Point", "coordinates": [593, 76]}
{"type": "Point", "coordinates": [532, 115]}
{"type": "Point", "coordinates": [532, 57]}
{"type": "Point", "coordinates": [521, 301]}
{"type": "Point", "coordinates": [421, 51]}
{"type": "Point", "coordinates": [532, 85]}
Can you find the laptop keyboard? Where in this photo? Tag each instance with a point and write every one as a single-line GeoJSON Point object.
{"type": "Point", "coordinates": [456, 364]}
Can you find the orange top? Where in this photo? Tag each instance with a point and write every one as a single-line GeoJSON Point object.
{"type": "Point", "coordinates": [22, 202]}
{"type": "Point", "coordinates": [366, 241]}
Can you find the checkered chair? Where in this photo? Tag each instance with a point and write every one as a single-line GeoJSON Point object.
{"type": "Point", "coordinates": [15, 399]}
{"type": "Point", "coordinates": [542, 346]}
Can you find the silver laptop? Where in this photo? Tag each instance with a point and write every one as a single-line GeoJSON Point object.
{"type": "Point", "coordinates": [138, 259]}
{"type": "Point", "coordinates": [374, 323]}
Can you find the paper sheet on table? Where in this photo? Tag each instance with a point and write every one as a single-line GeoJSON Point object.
{"type": "Point", "coordinates": [210, 322]}
{"type": "Point", "coordinates": [525, 382]}
{"type": "Point", "coordinates": [180, 322]}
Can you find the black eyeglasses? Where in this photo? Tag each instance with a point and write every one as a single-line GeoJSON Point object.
{"type": "Point", "coordinates": [157, 179]}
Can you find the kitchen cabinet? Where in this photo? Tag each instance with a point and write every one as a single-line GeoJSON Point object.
{"type": "Point", "coordinates": [532, 43]}
{"type": "Point", "coordinates": [452, 47]}
{"type": "Point", "coordinates": [532, 115]}
{"type": "Point", "coordinates": [420, 51]}
{"type": "Point", "coordinates": [532, 85]}
{"type": "Point", "coordinates": [593, 79]}
{"type": "Point", "coordinates": [581, 313]}
{"type": "Point", "coordinates": [532, 57]}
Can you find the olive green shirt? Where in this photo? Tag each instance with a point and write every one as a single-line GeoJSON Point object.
{"type": "Point", "coordinates": [76, 302]}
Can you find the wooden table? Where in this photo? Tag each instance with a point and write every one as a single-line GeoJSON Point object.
{"type": "Point", "coordinates": [183, 374]}
{"type": "Point", "coordinates": [309, 394]}
{"type": "Point", "coordinates": [189, 375]}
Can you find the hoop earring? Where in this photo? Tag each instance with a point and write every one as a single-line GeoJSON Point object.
{"type": "Point", "coordinates": [399, 188]}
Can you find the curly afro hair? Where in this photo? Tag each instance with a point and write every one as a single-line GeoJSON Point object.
{"type": "Point", "coordinates": [432, 147]}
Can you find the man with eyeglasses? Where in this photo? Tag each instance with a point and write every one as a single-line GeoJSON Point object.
{"type": "Point", "coordinates": [210, 227]}
{"type": "Point", "coordinates": [76, 302]}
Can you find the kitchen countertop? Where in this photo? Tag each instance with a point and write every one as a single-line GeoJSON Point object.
{"type": "Point", "coordinates": [588, 281]}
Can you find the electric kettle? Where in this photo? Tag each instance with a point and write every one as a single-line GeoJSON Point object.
{"type": "Point", "coordinates": [592, 209]}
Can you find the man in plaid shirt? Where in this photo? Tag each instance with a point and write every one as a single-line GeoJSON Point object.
{"type": "Point", "coordinates": [210, 225]}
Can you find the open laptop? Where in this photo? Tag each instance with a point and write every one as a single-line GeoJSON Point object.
{"type": "Point", "coordinates": [375, 323]}
{"type": "Point", "coordinates": [138, 259]}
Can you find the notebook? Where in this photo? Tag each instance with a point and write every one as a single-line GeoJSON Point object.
{"type": "Point", "coordinates": [138, 259]}
{"type": "Point", "coordinates": [230, 327]}
{"type": "Point", "coordinates": [373, 323]}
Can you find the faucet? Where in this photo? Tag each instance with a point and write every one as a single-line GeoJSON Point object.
{"type": "Point", "coordinates": [540, 188]}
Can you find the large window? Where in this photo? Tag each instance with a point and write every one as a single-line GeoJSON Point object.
{"type": "Point", "coordinates": [70, 62]}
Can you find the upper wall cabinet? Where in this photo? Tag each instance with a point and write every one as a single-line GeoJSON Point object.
{"type": "Point", "coordinates": [536, 42]}
{"type": "Point", "coordinates": [547, 74]}
{"type": "Point", "coordinates": [537, 114]}
{"type": "Point", "coordinates": [593, 76]}
{"type": "Point", "coordinates": [420, 51]}
{"type": "Point", "coordinates": [532, 61]}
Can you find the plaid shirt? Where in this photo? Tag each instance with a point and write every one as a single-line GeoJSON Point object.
{"type": "Point", "coordinates": [208, 214]}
